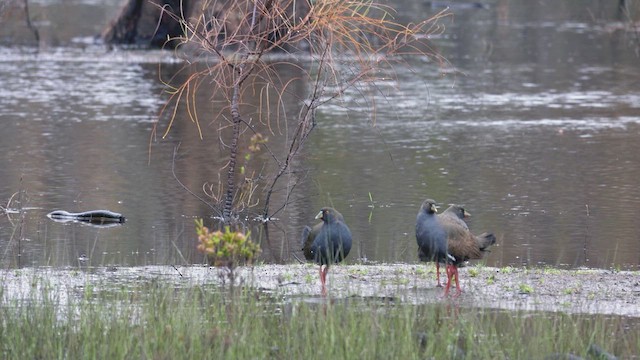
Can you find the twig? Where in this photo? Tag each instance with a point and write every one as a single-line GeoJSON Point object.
{"type": "Point", "coordinates": [173, 172]}
{"type": "Point", "coordinates": [176, 269]}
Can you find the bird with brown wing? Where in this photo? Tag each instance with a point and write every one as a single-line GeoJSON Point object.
{"type": "Point", "coordinates": [446, 238]}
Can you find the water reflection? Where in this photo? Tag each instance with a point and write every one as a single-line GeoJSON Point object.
{"type": "Point", "coordinates": [533, 126]}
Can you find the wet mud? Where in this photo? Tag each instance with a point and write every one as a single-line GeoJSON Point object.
{"type": "Point", "coordinates": [590, 291]}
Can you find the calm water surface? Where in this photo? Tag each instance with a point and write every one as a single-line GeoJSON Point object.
{"type": "Point", "coordinates": [534, 125]}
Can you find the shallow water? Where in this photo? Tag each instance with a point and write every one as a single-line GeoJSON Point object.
{"type": "Point", "coordinates": [533, 126]}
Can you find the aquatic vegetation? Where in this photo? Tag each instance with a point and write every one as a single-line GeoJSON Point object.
{"type": "Point", "coordinates": [157, 320]}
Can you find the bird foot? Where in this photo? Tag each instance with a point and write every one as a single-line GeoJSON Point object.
{"type": "Point", "coordinates": [454, 295]}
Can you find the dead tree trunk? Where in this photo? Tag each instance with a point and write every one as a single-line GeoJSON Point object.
{"type": "Point", "coordinates": [235, 117]}
{"type": "Point", "coordinates": [241, 71]}
{"type": "Point", "coordinates": [152, 23]}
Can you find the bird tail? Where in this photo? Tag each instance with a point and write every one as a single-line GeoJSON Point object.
{"type": "Point", "coordinates": [424, 257]}
{"type": "Point", "coordinates": [305, 235]}
{"type": "Point", "coordinates": [307, 243]}
{"type": "Point", "coordinates": [485, 240]}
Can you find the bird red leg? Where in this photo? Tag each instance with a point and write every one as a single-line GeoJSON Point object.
{"type": "Point", "coordinates": [455, 272]}
{"type": "Point", "coordinates": [438, 274]}
{"type": "Point", "coordinates": [449, 276]}
{"type": "Point", "coordinates": [324, 269]}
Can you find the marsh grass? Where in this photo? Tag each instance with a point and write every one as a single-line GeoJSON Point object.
{"type": "Point", "coordinates": [161, 321]}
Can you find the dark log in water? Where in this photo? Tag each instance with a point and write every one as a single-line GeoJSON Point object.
{"type": "Point", "coordinates": [96, 217]}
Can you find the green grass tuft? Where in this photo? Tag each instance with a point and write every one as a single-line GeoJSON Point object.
{"type": "Point", "coordinates": [507, 270]}
{"type": "Point", "coordinates": [525, 289]}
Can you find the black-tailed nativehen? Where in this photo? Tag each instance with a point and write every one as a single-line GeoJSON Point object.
{"type": "Point", "coordinates": [328, 242]}
{"type": "Point", "coordinates": [446, 238]}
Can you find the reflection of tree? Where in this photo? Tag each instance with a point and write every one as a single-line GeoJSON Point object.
{"type": "Point", "coordinates": [633, 24]}
{"type": "Point", "coordinates": [18, 9]}
{"type": "Point", "coordinates": [344, 44]}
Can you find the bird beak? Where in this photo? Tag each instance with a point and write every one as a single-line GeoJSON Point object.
{"type": "Point", "coordinates": [319, 216]}
{"type": "Point", "coordinates": [467, 214]}
{"type": "Point", "coordinates": [434, 208]}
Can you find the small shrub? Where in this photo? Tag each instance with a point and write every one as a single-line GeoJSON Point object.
{"type": "Point", "coordinates": [226, 248]}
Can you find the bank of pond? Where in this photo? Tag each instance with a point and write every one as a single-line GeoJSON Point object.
{"type": "Point", "coordinates": [191, 312]}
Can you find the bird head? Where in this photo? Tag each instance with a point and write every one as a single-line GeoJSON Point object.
{"type": "Point", "coordinates": [430, 207]}
{"type": "Point", "coordinates": [328, 215]}
{"type": "Point", "coordinates": [460, 211]}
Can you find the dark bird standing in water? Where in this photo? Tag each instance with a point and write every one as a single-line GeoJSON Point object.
{"type": "Point", "coordinates": [446, 239]}
{"type": "Point", "coordinates": [327, 242]}
{"type": "Point", "coordinates": [455, 212]}
{"type": "Point", "coordinates": [431, 236]}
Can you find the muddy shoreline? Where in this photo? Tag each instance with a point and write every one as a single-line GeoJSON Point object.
{"type": "Point", "coordinates": [591, 291]}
